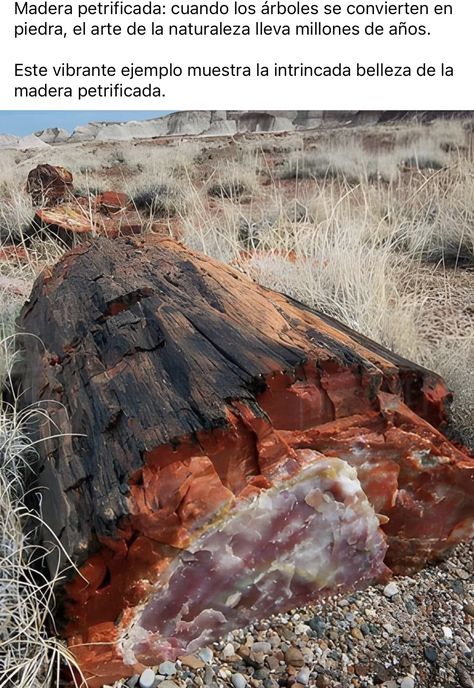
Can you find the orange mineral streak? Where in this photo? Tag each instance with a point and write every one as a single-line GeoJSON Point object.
{"type": "Point", "coordinates": [232, 450]}
{"type": "Point", "coordinates": [176, 499]}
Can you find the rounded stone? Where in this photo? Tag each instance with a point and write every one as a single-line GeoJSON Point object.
{"type": "Point", "coordinates": [407, 682]}
{"type": "Point", "coordinates": [317, 625]}
{"type": "Point", "coordinates": [469, 608]}
{"type": "Point", "coordinates": [206, 654]}
{"type": "Point", "coordinates": [431, 653]}
{"type": "Point", "coordinates": [357, 633]}
{"type": "Point", "coordinates": [391, 589]}
{"type": "Point", "coordinates": [261, 647]}
{"type": "Point", "coordinates": [303, 676]}
{"type": "Point", "coordinates": [294, 657]}
{"type": "Point", "coordinates": [167, 668]}
{"type": "Point", "coordinates": [147, 679]}
{"type": "Point", "coordinates": [238, 681]}
{"type": "Point", "coordinates": [228, 651]}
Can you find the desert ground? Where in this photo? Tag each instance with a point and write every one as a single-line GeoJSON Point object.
{"type": "Point", "coordinates": [373, 225]}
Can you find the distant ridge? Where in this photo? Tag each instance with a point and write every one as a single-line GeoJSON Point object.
{"type": "Point", "coordinates": [221, 123]}
{"type": "Point", "coordinates": [229, 122]}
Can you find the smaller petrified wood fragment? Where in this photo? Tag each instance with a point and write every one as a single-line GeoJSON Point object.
{"type": "Point", "coordinates": [227, 453]}
{"type": "Point", "coordinates": [49, 185]}
{"type": "Point", "coordinates": [70, 217]}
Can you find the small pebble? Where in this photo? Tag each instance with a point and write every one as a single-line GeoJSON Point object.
{"type": "Point", "coordinates": [272, 663]}
{"type": "Point", "coordinates": [238, 681]}
{"type": "Point", "coordinates": [464, 677]}
{"type": "Point", "coordinates": [464, 648]}
{"type": "Point", "coordinates": [463, 574]}
{"type": "Point", "coordinates": [260, 674]}
{"type": "Point", "coordinates": [228, 651]}
{"type": "Point", "coordinates": [192, 661]}
{"type": "Point", "coordinates": [357, 633]}
{"type": "Point", "coordinates": [206, 654]}
{"type": "Point", "coordinates": [407, 682]}
{"type": "Point", "coordinates": [167, 668]}
{"type": "Point", "coordinates": [261, 647]}
{"type": "Point", "coordinates": [147, 679]}
{"type": "Point", "coordinates": [431, 653]}
{"type": "Point", "coordinates": [469, 609]}
{"type": "Point", "coordinates": [447, 632]}
{"type": "Point", "coordinates": [317, 625]}
{"type": "Point", "coordinates": [303, 676]}
{"type": "Point", "coordinates": [208, 676]}
{"type": "Point", "coordinates": [301, 628]}
{"type": "Point", "coordinates": [391, 589]}
{"type": "Point", "coordinates": [294, 657]}
{"type": "Point", "coordinates": [270, 683]}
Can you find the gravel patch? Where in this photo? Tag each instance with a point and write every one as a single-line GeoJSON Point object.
{"type": "Point", "coordinates": [415, 632]}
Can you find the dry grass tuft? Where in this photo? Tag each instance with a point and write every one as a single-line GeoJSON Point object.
{"type": "Point", "coordinates": [30, 654]}
{"type": "Point", "coordinates": [234, 181]}
{"type": "Point", "coordinates": [161, 199]}
{"type": "Point", "coordinates": [351, 163]}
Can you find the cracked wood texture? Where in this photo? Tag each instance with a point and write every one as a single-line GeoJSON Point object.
{"type": "Point", "coordinates": [191, 401]}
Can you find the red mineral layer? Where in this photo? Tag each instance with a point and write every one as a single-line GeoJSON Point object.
{"type": "Point", "coordinates": [313, 532]}
{"type": "Point", "coordinates": [412, 476]}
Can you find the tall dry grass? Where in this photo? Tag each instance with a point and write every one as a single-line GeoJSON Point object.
{"type": "Point", "coordinates": [31, 656]}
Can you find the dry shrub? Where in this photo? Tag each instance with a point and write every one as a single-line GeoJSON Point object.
{"type": "Point", "coordinates": [163, 199]}
{"type": "Point", "coordinates": [350, 163]}
{"type": "Point", "coordinates": [30, 657]}
{"type": "Point", "coordinates": [235, 181]}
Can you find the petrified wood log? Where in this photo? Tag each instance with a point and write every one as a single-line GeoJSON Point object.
{"type": "Point", "coordinates": [214, 436]}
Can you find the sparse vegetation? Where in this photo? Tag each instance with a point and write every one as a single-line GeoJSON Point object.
{"type": "Point", "coordinates": [234, 181]}
{"type": "Point", "coordinates": [161, 200]}
{"type": "Point", "coordinates": [30, 655]}
{"type": "Point", "coordinates": [351, 164]}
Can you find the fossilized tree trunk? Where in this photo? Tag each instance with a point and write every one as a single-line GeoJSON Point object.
{"type": "Point", "coordinates": [212, 436]}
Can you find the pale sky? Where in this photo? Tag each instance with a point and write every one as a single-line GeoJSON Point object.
{"type": "Point", "coordinates": [23, 122]}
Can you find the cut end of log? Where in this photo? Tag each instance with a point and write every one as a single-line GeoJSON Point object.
{"type": "Point", "coordinates": [228, 452]}
{"type": "Point", "coordinates": [312, 532]}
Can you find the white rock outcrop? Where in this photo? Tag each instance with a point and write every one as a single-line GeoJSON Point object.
{"type": "Point", "coordinates": [8, 142]}
{"type": "Point", "coordinates": [53, 135]}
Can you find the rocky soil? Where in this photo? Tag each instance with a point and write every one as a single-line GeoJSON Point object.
{"type": "Point", "coordinates": [414, 632]}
